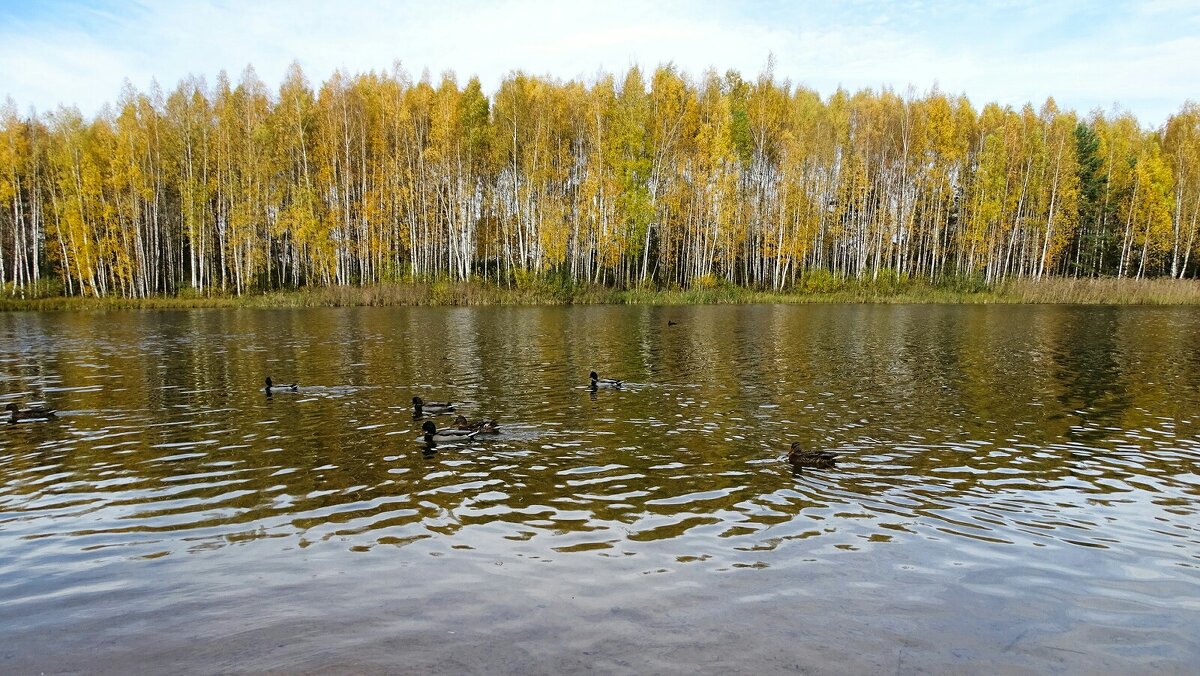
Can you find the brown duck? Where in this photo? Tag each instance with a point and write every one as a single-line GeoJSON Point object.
{"type": "Point", "coordinates": [485, 426]}
{"type": "Point", "coordinates": [802, 458]}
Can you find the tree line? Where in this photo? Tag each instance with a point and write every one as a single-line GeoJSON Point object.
{"type": "Point", "coordinates": [655, 179]}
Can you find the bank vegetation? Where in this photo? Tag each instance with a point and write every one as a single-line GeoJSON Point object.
{"type": "Point", "coordinates": [376, 187]}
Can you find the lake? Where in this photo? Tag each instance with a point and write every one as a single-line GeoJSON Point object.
{"type": "Point", "coordinates": [1017, 491]}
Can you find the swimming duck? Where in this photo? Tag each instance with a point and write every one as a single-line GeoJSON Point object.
{"type": "Point", "coordinates": [488, 426]}
{"type": "Point", "coordinates": [272, 388]}
{"type": "Point", "coordinates": [802, 458]}
{"type": "Point", "coordinates": [31, 413]}
{"type": "Point", "coordinates": [433, 434]}
{"type": "Point", "coordinates": [603, 383]}
{"type": "Point", "coordinates": [432, 407]}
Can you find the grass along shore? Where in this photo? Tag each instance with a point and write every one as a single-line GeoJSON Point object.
{"type": "Point", "coordinates": [1105, 291]}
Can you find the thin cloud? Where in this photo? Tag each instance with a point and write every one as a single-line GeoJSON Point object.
{"type": "Point", "coordinates": [1011, 51]}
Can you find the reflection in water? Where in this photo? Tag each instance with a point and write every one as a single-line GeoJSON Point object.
{"type": "Point", "coordinates": [1002, 457]}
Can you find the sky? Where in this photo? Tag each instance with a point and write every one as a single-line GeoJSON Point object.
{"type": "Point", "coordinates": [1143, 57]}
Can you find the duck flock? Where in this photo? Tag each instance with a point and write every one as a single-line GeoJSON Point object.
{"type": "Point", "coordinates": [462, 429]}
{"type": "Point", "coordinates": [459, 430]}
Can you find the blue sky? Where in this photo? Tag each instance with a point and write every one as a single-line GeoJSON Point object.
{"type": "Point", "coordinates": [1144, 56]}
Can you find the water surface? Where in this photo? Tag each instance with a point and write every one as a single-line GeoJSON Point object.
{"type": "Point", "coordinates": [1018, 489]}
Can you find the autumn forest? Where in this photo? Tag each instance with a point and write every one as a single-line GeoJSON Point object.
{"type": "Point", "coordinates": [646, 179]}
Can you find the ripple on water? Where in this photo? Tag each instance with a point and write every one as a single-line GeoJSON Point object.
{"type": "Point", "coordinates": [1066, 484]}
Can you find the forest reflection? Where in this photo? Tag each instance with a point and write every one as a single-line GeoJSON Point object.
{"type": "Point", "coordinates": [1011, 424]}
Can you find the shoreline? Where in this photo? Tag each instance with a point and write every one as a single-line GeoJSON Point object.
{"type": "Point", "coordinates": [1102, 291]}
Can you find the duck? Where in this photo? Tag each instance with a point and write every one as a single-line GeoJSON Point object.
{"type": "Point", "coordinates": [433, 434]}
{"type": "Point", "coordinates": [31, 413]}
{"type": "Point", "coordinates": [802, 458]}
{"type": "Point", "coordinates": [488, 426]}
{"type": "Point", "coordinates": [421, 406]}
{"type": "Point", "coordinates": [272, 387]}
{"type": "Point", "coordinates": [603, 383]}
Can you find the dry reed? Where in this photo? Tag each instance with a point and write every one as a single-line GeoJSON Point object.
{"type": "Point", "coordinates": [1049, 290]}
